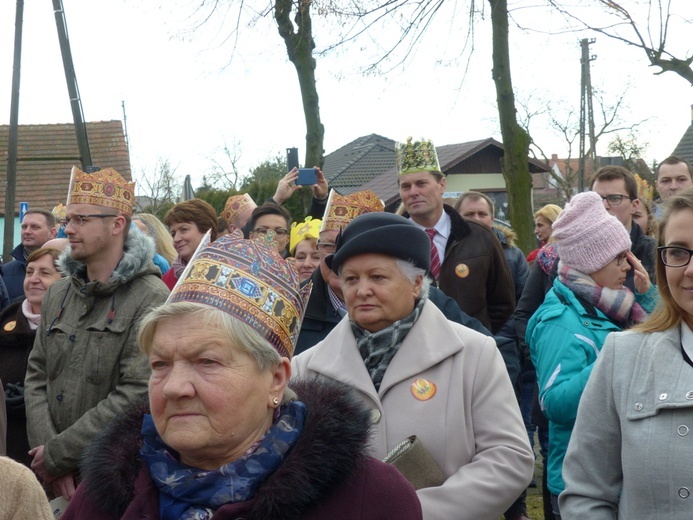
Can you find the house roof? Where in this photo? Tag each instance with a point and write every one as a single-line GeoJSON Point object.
{"type": "Point", "coordinates": [46, 154]}
{"type": "Point", "coordinates": [385, 184]}
{"type": "Point", "coordinates": [685, 147]}
{"type": "Point", "coordinates": [354, 164]}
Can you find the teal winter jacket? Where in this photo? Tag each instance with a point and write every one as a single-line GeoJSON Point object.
{"type": "Point", "coordinates": [565, 336]}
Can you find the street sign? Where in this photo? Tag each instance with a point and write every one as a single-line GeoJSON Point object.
{"type": "Point", "coordinates": [23, 208]}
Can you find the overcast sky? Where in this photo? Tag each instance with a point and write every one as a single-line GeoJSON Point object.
{"type": "Point", "coordinates": [185, 97]}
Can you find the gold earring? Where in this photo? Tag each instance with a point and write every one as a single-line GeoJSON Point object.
{"type": "Point", "coordinates": [275, 401]}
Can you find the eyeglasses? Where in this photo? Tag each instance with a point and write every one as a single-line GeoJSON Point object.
{"type": "Point", "coordinates": [621, 257]}
{"type": "Point", "coordinates": [615, 200]}
{"type": "Point", "coordinates": [79, 220]}
{"type": "Point", "coordinates": [280, 232]}
{"type": "Point", "coordinates": [673, 256]}
{"type": "Point", "coordinates": [326, 248]}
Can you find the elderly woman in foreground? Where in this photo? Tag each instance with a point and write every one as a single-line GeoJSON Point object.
{"type": "Point", "coordinates": [421, 374]}
{"type": "Point", "coordinates": [630, 453]}
{"type": "Point", "coordinates": [223, 437]}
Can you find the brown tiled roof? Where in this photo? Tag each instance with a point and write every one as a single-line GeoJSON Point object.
{"type": "Point", "coordinates": [46, 154]}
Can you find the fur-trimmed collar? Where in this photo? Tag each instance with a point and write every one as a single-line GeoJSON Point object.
{"type": "Point", "coordinates": [333, 443]}
{"type": "Point", "coordinates": [137, 259]}
{"type": "Point", "coordinates": [506, 235]}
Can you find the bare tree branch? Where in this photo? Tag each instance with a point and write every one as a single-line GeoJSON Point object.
{"type": "Point", "coordinates": [657, 53]}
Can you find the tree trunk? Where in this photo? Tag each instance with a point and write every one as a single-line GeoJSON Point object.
{"type": "Point", "coordinates": [299, 46]}
{"type": "Point", "coordinates": [518, 180]}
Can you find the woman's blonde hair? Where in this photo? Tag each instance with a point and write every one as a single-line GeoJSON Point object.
{"type": "Point", "coordinates": [161, 235]}
{"type": "Point", "coordinates": [668, 313]}
{"type": "Point", "coordinates": [550, 212]}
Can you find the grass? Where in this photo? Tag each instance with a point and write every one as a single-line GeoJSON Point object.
{"type": "Point", "coordinates": [535, 505]}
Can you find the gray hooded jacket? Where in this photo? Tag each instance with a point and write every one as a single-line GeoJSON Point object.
{"type": "Point", "coordinates": [85, 366]}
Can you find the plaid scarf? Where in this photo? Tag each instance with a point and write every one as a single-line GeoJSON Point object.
{"type": "Point", "coordinates": [619, 305]}
{"type": "Point", "coordinates": [378, 348]}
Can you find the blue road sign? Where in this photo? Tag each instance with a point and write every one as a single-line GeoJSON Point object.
{"type": "Point", "coordinates": [23, 208]}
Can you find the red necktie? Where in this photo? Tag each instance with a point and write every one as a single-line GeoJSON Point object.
{"type": "Point", "coordinates": [435, 259]}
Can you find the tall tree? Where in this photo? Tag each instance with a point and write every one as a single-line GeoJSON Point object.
{"type": "Point", "coordinates": [299, 42]}
{"type": "Point", "coordinates": [518, 180]}
{"type": "Point", "coordinates": [299, 46]}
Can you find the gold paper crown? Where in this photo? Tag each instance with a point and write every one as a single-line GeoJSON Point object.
{"type": "Point", "coordinates": [342, 209]}
{"type": "Point", "coordinates": [416, 157]}
{"type": "Point", "coordinates": [60, 211]}
{"type": "Point", "coordinates": [249, 280]}
{"type": "Point", "coordinates": [310, 228]}
{"type": "Point", "coordinates": [103, 188]}
{"type": "Point", "coordinates": [235, 205]}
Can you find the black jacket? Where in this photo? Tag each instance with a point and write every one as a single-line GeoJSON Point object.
{"type": "Point", "coordinates": [475, 273]}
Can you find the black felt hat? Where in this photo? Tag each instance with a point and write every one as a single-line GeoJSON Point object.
{"type": "Point", "coordinates": [383, 233]}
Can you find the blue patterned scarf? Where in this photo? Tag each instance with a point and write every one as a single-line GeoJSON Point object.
{"type": "Point", "coordinates": [187, 493]}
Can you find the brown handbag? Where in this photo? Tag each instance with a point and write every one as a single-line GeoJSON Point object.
{"type": "Point", "coordinates": [414, 461]}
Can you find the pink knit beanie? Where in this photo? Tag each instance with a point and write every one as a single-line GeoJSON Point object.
{"type": "Point", "coordinates": [588, 236]}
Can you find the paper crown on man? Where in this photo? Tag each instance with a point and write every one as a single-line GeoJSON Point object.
{"type": "Point", "coordinates": [105, 188]}
{"type": "Point", "coordinates": [416, 157]}
{"type": "Point", "coordinates": [309, 228]}
{"type": "Point", "coordinates": [235, 206]}
{"type": "Point", "coordinates": [249, 280]}
{"type": "Point", "coordinates": [342, 209]}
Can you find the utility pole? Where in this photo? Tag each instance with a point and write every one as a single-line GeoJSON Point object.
{"type": "Point", "coordinates": [586, 112]}
{"type": "Point", "coordinates": [13, 140]}
{"type": "Point", "coordinates": [70, 76]}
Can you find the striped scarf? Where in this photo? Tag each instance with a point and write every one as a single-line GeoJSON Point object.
{"type": "Point", "coordinates": [619, 305]}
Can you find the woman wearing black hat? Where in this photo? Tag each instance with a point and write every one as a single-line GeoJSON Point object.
{"type": "Point", "coordinates": [421, 374]}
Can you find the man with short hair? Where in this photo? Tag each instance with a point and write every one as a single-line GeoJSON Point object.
{"type": "Point", "coordinates": [38, 226]}
{"type": "Point", "coordinates": [467, 260]}
{"type": "Point", "coordinates": [674, 174]}
{"type": "Point", "coordinates": [271, 217]}
{"type": "Point", "coordinates": [619, 191]}
{"type": "Point", "coordinates": [85, 366]}
{"type": "Point", "coordinates": [478, 206]}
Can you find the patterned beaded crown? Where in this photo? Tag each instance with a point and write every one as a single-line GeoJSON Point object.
{"type": "Point", "coordinates": [104, 188]}
{"type": "Point", "coordinates": [249, 280]}
{"type": "Point", "coordinates": [342, 209]}
{"type": "Point", "coordinates": [235, 205]}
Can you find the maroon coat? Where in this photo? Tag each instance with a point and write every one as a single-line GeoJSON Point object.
{"type": "Point", "coordinates": [326, 475]}
{"type": "Point", "coordinates": [16, 342]}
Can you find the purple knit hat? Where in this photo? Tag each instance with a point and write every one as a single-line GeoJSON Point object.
{"type": "Point", "coordinates": [588, 236]}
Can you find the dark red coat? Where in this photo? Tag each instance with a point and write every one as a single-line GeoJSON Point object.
{"type": "Point", "coordinates": [16, 342]}
{"type": "Point", "coordinates": [326, 475]}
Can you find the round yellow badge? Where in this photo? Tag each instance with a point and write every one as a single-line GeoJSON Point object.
{"type": "Point", "coordinates": [462, 270]}
{"type": "Point", "coordinates": [10, 325]}
{"type": "Point", "coordinates": [423, 390]}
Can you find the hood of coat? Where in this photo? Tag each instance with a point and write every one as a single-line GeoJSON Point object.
{"type": "Point", "coordinates": [331, 446]}
{"type": "Point", "coordinates": [137, 260]}
{"type": "Point", "coordinates": [506, 235]}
